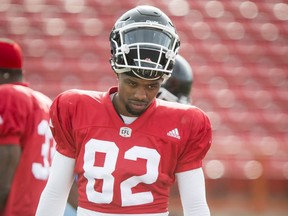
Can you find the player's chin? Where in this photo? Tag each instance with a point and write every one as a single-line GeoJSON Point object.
{"type": "Point", "coordinates": [136, 110]}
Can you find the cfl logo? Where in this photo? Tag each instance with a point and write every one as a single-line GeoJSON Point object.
{"type": "Point", "coordinates": [125, 132]}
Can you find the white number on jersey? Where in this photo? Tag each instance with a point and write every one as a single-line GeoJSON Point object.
{"type": "Point", "coordinates": [39, 170]}
{"type": "Point", "coordinates": [93, 173]}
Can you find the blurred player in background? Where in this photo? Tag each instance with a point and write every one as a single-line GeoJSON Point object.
{"type": "Point", "coordinates": [26, 141]}
{"type": "Point", "coordinates": [178, 87]}
{"type": "Point", "coordinates": [126, 146]}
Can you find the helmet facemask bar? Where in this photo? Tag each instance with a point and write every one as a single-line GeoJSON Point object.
{"type": "Point", "coordinates": [136, 51]}
{"type": "Point", "coordinates": [164, 94]}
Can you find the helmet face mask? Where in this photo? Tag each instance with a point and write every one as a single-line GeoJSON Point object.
{"type": "Point", "coordinates": [166, 95]}
{"type": "Point", "coordinates": [145, 42]}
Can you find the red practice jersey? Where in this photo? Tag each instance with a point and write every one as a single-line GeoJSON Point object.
{"type": "Point", "coordinates": [127, 168]}
{"type": "Point", "coordinates": [24, 121]}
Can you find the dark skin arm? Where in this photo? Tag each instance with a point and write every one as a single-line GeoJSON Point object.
{"type": "Point", "coordinates": [73, 196]}
{"type": "Point", "coordinates": [9, 158]}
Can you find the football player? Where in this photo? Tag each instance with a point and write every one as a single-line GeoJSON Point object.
{"type": "Point", "coordinates": [127, 147]}
{"type": "Point", "coordinates": [26, 141]}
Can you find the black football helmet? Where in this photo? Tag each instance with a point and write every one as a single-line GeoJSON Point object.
{"type": "Point", "coordinates": [178, 87]}
{"type": "Point", "coordinates": [144, 42]}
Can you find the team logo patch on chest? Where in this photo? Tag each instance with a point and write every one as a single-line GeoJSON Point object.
{"type": "Point", "coordinates": [125, 132]}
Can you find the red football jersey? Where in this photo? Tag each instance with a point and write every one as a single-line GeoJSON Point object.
{"type": "Point", "coordinates": [24, 121]}
{"type": "Point", "coordinates": [127, 168]}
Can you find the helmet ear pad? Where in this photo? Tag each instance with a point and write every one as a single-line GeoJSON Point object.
{"type": "Point", "coordinates": [114, 42]}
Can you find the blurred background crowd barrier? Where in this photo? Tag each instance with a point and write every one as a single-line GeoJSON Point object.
{"type": "Point", "coordinates": [239, 54]}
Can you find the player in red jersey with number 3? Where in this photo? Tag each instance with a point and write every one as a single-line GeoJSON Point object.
{"type": "Point", "coordinates": [127, 147]}
{"type": "Point", "coordinates": [26, 141]}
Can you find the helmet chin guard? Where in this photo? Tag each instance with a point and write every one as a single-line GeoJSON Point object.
{"type": "Point", "coordinates": [145, 42]}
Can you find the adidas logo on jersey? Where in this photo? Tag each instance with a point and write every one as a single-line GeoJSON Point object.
{"type": "Point", "coordinates": [174, 133]}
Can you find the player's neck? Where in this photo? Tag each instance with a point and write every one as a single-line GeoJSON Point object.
{"type": "Point", "coordinates": [126, 119]}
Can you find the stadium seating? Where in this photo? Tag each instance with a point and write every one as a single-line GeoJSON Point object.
{"type": "Point", "coordinates": [238, 51]}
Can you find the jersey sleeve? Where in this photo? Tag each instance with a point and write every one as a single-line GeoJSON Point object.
{"type": "Point", "coordinates": [198, 142]}
{"type": "Point", "coordinates": [61, 125]}
{"type": "Point", "coordinates": [13, 116]}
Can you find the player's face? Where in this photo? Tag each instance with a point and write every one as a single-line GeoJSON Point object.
{"type": "Point", "coordinates": [135, 94]}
